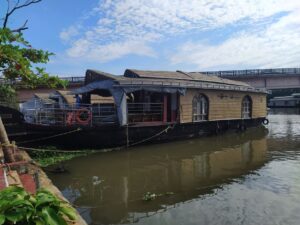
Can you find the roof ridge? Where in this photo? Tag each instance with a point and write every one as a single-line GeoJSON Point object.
{"type": "Point", "coordinates": [179, 71]}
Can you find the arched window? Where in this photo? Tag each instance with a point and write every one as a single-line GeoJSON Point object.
{"type": "Point", "coordinates": [246, 107]}
{"type": "Point", "coordinates": [200, 108]}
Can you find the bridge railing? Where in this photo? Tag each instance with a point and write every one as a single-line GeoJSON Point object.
{"type": "Point", "coordinates": [255, 72]}
{"type": "Point", "coordinates": [71, 80]}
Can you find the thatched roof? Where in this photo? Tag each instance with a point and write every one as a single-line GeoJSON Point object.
{"type": "Point", "coordinates": [179, 75]}
{"type": "Point", "coordinates": [100, 99]}
{"type": "Point", "coordinates": [71, 100]}
{"type": "Point", "coordinates": [180, 79]}
{"type": "Point", "coordinates": [97, 75]}
{"type": "Point", "coordinates": [44, 97]}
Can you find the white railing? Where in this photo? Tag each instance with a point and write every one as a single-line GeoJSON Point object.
{"type": "Point", "coordinates": [71, 115]}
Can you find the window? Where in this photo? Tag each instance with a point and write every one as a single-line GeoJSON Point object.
{"type": "Point", "coordinates": [246, 107]}
{"type": "Point", "coordinates": [200, 108]}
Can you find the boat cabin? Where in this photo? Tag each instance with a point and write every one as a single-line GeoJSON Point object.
{"type": "Point", "coordinates": [160, 97]}
{"type": "Point", "coordinates": [142, 98]}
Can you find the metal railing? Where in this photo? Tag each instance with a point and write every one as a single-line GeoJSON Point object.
{"type": "Point", "coordinates": [72, 80]}
{"type": "Point", "coordinates": [145, 112]}
{"type": "Point", "coordinates": [255, 72]}
{"type": "Point", "coordinates": [18, 82]}
{"type": "Point", "coordinates": [71, 115]}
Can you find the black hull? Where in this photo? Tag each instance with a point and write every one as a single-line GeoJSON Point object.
{"type": "Point", "coordinates": [116, 136]}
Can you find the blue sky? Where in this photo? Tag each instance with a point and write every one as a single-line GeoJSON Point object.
{"type": "Point", "coordinates": [188, 35]}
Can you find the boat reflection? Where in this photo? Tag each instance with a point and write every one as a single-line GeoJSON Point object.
{"type": "Point", "coordinates": [108, 187]}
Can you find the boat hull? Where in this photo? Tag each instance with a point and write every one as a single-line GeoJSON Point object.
{"type": "Point", "coordinates": [115, 136]}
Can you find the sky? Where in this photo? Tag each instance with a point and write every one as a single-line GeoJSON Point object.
{"type": "Point", "coordinates": [187, 35]}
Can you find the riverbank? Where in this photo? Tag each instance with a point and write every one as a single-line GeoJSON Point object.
{"type": "Point", "coordinates": [22, 179]}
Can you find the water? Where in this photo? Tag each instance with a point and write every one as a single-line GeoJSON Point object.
{"type": "Point", "coordinates": [249, 178]}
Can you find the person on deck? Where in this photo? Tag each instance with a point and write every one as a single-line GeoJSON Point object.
{"type": "Point", "coordinates": [78, 101]}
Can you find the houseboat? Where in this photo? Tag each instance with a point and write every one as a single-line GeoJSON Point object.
{"type": "Point", "coordinates": [292, 101]}
{"type": "Point", "coordinates": [146, 106]}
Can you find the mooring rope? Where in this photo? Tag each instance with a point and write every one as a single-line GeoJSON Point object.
{"type": "Point", "coordinates": [149, 138]}
{"type": "Point", "coordinates": [50, 137]}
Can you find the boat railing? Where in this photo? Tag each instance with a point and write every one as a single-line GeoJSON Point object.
{"type": "Point", "coordinates": [145, 112]}
{"type": "Point", "coordinates": [71, 115]}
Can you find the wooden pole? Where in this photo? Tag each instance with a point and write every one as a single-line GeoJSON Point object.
{"type": "Point", "coordinates": [165, 109]}
{"type": "Point", "coordinates": [7, 148]}
{"type": "Point", "coordinates": [3, 135]}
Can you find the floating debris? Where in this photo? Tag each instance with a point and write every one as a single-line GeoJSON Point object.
{"type": "Point", "coordinates": [152, 196]}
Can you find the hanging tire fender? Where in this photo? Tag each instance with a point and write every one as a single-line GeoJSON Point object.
{"type": "Point", "coordinates": [265, 121]}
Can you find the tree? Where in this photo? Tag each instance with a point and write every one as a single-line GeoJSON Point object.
{"type": "Point", "coordinates": [18, 58]}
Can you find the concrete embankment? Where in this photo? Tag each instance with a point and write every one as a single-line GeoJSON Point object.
{"type": "Point", "coordinates": [18, 169]}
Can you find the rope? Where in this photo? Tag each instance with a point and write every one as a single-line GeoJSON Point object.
{"type": "Point", "coordinates": [54, 150]}
{"type": "Point", "coordinates": [49, 137]}
{"type": "Point", "coordinates": [156, 135]}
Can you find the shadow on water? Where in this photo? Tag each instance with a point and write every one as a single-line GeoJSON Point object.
{"type": "Point", "coordinates": [109, 187]}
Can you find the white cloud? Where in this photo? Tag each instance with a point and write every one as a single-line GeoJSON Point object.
{"type": "Point", "coordinates": [275, 46]}
{"type": "Point", "coordinates": [123, 27]}
{"type": "Point", "coordinates": [104, 53]}
{"type": "Point", "coordinates": [69, 33]}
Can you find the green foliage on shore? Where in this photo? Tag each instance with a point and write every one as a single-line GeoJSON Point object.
{"type": "Point", "coordinates": [17, 66]}
{"type": "Point", "coordinates": [20, 208]}
{"type": "Point", "coordinates": [8, 96]}
{"type": "Point", "coordinates": [18, 59]}
{"type": "Point", "coordinates": [48, 158]}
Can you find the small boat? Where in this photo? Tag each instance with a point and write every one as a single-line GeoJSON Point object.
{"type": "Point", "coordinates": [143, 107]}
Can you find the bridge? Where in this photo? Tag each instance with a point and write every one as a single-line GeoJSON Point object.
{"type": "Point", "coordinates": [280, 82]}
{"type": "Point", "coordinates": [271, 79]}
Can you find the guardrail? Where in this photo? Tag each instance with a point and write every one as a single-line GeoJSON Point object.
{"type": "Point", "coordinates": [145, 112]}
{"type": "Point", "coordinates": [71, 80]}
{"type": "Point", "coordinates": [70, 115]}
{"type": "Point", "coordinates": [254, 72]}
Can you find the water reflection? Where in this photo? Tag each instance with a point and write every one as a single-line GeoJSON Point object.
{"type": "Point", "coordinates": [109, 187]}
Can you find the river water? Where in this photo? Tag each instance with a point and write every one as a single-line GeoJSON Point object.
{"type": "Point", "coordinates": [233, 178]}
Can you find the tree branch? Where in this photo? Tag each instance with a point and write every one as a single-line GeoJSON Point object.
{"type": "Point", "coordinates": [21, 28]}
{"type": "Point", "coordinates": [16, 7]}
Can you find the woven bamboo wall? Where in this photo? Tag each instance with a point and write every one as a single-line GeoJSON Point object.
{"type": "Point", "coordinates": [223, 105]}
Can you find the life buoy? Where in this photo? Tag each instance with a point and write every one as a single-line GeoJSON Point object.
{"type": "Point", "coordinates": [265, 122]}
{"type": "Point", "coordinates": [83, 120]}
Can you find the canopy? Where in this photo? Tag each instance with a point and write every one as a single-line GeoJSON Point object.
{"type": "Point", "coordinates": [119, 93]}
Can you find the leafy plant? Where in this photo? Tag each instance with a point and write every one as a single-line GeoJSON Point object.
{"type": "Point", "coordinates": [17, 60]}
{"type": "Point", "coordinates": [47, 158]}
{"type": "Point", "coordinates": [19, 207]}
{"type": "Point", "coordinates": [8, 96]}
